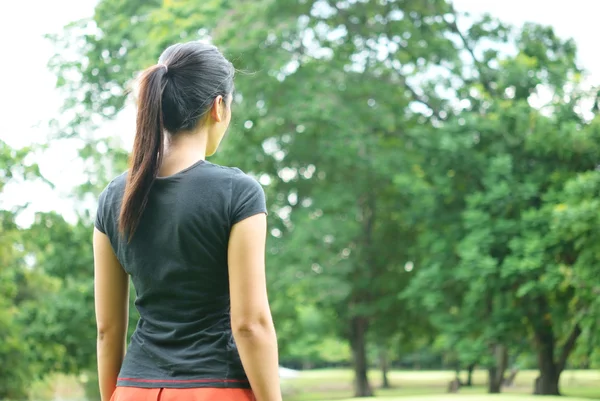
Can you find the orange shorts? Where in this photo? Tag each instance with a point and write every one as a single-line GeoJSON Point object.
{"type": "Point", "coordinates": [182, 394]}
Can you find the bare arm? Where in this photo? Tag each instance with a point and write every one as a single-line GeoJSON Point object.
{"type": "Point", "coordinates": [251, 320]}
{"type": "Point", "coordinates": [111, 290]}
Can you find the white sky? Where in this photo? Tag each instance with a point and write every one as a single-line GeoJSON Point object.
{"type": "Point", "coordinates": [28, 99]}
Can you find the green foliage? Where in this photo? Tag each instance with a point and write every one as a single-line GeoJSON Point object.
{"type": "Point", "coordinates": [19, 284]}
{"type": "Point", "coordinates": [14, 371]}
{"type": "Point", "coordinates": [308, 340]}
{"type": "Point", "coordinates": [506, 273]}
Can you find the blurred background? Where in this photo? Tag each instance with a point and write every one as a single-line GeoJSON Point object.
{"type": "Point", "coordinates": [431, 168]}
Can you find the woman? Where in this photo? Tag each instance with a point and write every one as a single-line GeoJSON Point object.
{"type": "Point", "coordinates": [191, 235]}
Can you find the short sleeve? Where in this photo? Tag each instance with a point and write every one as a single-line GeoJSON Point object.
{"type": "Point", "coordinates": [100, 213]}
{"type": "Point", "coordinates": [247, 197]}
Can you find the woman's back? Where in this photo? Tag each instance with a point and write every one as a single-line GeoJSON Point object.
{"type": "Point", "coordinates": [178, 264]}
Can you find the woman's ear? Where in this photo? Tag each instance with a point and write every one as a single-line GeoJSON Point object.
{"type": "Point", "coordinates": [217, 111]}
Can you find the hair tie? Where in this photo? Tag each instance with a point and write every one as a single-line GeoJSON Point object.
{"type": "Point", "coordinates": [165, 66]}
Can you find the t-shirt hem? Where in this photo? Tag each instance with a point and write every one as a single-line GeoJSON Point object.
{"type": "Point", "coordinates": [247, 215]}
{"type": "Point", "coordinates": [193, 383]}
{"type": "Point", "coordinates": [99, 228]}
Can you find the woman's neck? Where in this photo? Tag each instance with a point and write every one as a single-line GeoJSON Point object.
{"type": "Point", "coordinates": [182, 151]}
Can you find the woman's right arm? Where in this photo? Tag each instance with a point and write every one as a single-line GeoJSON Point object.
{"type": "Point", "coordinates": [251, 320]}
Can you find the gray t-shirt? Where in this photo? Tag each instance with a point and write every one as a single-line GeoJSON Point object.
{"type": "Point", "coordinates": [177, 260]}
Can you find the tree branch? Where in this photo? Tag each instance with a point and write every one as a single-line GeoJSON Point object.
{"type": "Point", "coordinates": [403, 81]}
{"type": "Point", "coordinates": [568, 347]}
{"type": "Point", "coordinates": [478, 64]}
{"type": "Point", "coordinates": [416, 97]}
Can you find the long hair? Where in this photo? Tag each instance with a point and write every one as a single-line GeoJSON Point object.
{"type": "Point", "coordinates": [173, 96]}
{"type": "Point", "coordinates": [147, 148]}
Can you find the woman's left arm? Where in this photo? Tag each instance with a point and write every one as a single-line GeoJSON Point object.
{"type": "Point", "coordinates": [111, 291]}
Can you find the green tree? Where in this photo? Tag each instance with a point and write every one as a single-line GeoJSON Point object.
{"type": "Point", "coordinates": [46, 287]}
{"type": "Point", "coordinates": [65, 318]}
{"type": "Point", "coordinates": [572, 218]}
{"type": "Point", "coordinates": [14, 371]}
{"type": "Point", "coordinates": [20, 283]}
{"type": "Point", "coordinates": [502, 275]}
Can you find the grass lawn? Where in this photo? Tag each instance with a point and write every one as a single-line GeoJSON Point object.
{"type": "Point", "coordinates": [336, 384]}
{"type": "Point", "coordinates": [479, 397]}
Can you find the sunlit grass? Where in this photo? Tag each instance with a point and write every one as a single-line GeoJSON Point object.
{"type": "Point", "coordinates": [479, 397]}
{"type": "Point", "coordinates": [336, 384]}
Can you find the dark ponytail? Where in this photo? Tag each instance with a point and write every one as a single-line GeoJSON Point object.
{"type": "Point", "coordinates": [147, 148]}
{"type": "Point", "coordinates": [174, 95]}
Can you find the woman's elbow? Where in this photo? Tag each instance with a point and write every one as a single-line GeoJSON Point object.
{"type": "Point", "coordinates": [109, 332]}
{"type": "Point", "coordinates": [252, 327]}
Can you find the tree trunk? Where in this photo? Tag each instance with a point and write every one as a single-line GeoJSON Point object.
{"type": "Point", "coordinates": [494, 386]}
{"type": "Point", "coordinates": [547, 382]}
{"type": "Point", "coordinates": [457, 376]}
{"type": "Point", "coordinates": [470, 370]}
{"type": "Point", "coordinates": [383, 362]}
{"type": "Point", "coordinates": [496, 372]}
{"type": "Point", "coordinates": [358, 330]}
{"type": "Point", "coordinates": [454, 386]}
{"type": "Point", "coordinates": [510, 380]}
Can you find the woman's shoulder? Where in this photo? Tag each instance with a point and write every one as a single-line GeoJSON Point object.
{"type": "Point", "coordinates": [113, 191]}
{"type": "Point", "coordinates": [108, 201]}
{"type": "Point", "coordinates": [117, 184]}
{"type": "Point", "coordinates": [237, 175]}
